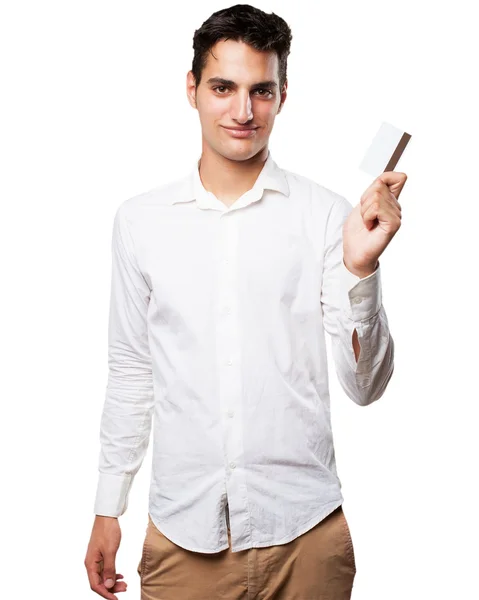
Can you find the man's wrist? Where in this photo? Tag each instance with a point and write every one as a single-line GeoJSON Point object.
{"type": "Point", "coordinates": [361, 272]}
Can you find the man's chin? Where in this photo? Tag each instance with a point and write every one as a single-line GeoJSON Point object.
{"type": "Point", "coordinates": [241, 150]}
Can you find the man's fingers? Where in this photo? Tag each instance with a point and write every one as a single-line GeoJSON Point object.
{"type": "Point", "coordinates": [95, 573]}
{"type": "Point", "coordinates": [120, 586]}
{"type": "Point", "coordinates": [97, 585]}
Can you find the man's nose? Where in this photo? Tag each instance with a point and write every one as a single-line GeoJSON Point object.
{"type": "Point", "coordinates": [242, 109]}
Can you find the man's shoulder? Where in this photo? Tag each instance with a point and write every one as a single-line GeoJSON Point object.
{"type": "Point", "coordinates": [318, 194]}
{"type": "Point", "coordinates": [158, 196]}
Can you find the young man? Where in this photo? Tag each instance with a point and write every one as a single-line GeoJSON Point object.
{"type": "Point", "coordinates": [223, 284]}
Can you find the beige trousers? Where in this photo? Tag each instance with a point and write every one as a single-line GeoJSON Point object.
{"type": "Point", "coordinates": [318, 565]}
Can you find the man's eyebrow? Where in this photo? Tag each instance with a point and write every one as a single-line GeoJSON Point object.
{"type": "Point", "coordinates": [230, 83]}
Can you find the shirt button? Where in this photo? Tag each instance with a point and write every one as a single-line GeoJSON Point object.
{"type": "Point", "coordinates": [231, 413]}
{"type": "Point", "coordinates": [226, 310]}
{"type": "Point", "coordinates": [232, 465]}
{"type": "Point", "coordinates": [357, 300]}
{"type": "Point", "coordinates": [230, 362]}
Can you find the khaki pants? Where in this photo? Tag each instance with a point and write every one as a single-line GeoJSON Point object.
{"type": "Point", "coordinates": [318, 565]}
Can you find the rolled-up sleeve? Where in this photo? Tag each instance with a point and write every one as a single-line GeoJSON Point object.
{"type": "Point", "coordinates": [128, 406]}
{"type": "Point", "coordinates": [349, 303]}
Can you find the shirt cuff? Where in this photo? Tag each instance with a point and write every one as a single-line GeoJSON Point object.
{"type": "Point", "coordinates": [112, 495]}
{"type": "Point", "coordinates": [362, 296]}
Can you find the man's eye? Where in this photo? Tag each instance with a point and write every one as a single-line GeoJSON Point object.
{"type": "Point", "coordinates": [264, 90]}
{"type": "Point", "coordinates": [223, 87]}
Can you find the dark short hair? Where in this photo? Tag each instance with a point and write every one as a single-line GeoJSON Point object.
{"type": "Point", "coordinates": [262, 31]}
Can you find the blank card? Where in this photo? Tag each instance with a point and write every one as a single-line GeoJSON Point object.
{"type": "Point", "coordinates": [385, 150]}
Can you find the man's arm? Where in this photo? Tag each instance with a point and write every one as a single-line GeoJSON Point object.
{"type": "Point", "coordinates": [128, 406]}
{"type": "Point", "coordinates": [355, 318]}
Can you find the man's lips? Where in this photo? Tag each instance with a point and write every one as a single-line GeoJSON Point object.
{"type": "Point", "coordinates": [239, 128]}
{"type": "Point", "coordinates": [241, 132]}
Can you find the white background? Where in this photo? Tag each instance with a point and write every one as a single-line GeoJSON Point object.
{"type": "Point", "coordinates": [94, 111]}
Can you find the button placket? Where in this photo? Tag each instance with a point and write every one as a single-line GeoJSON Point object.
{"type": "Point", "coordinates": [228, 358]}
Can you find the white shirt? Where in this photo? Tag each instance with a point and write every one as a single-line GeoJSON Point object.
{"type": "Point", "coordinates": [216, 338]}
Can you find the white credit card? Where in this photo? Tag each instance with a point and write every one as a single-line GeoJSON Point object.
{"type": "Point", "coordinates": [385, 150]}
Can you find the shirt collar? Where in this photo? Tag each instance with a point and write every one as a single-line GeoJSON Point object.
{"type": "Point", "coordinates": [271, 177]}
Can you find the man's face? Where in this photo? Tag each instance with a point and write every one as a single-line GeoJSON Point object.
{"type": "Point", "coordinates": [242, 103]}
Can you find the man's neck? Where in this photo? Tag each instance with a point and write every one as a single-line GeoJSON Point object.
{"type": "Point", "coordinates": [227, 179]}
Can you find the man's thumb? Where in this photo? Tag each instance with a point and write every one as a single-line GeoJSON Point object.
{"type": "Point", "coordinates": [109, 573]}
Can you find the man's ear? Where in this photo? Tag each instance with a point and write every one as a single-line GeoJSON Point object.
{"type": "Point", "coordinates": [191, 89]}
{"type": "Point", "coordinates": [283, 96]}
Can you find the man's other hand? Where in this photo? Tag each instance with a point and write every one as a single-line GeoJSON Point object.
{"type": "Point", "coordinates": [100, 558]}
